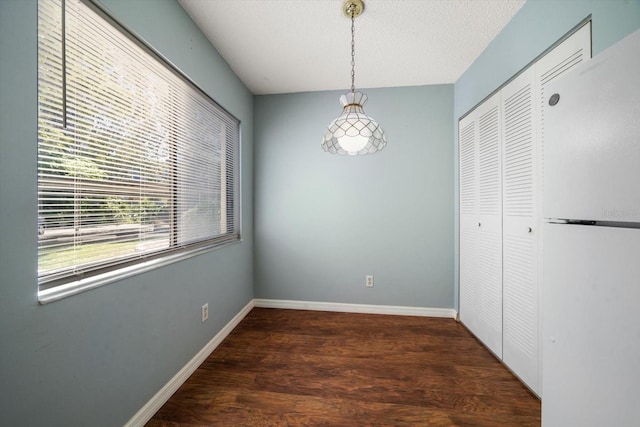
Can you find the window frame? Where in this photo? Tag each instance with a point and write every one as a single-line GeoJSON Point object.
{"type": "Point", "coordinates": [52, 289]}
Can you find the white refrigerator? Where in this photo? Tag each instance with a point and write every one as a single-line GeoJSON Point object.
{"type": "Point", "coordinates": [591, 243]}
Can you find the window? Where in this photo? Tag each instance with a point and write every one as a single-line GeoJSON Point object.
{"type": "Point", "coordinates": [135, 163]}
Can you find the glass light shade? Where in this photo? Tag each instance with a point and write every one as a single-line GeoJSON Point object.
{"type": "Point", "coordinates": [353, 132]}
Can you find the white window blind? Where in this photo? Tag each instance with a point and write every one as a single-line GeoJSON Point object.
{"type": "Point", "coordinates": [134, 161]}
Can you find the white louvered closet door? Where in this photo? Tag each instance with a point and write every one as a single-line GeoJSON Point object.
{"type": "Point", "coordinates": [520, 229]}
{"type": "Point", "coordinates": [501, 167]}
{"type": "Point", "coordinates": [481, 285]}
{"type": "Point", "coordinates": [490, 224]}
{"type": "Point", "coordinates": [468, 169]}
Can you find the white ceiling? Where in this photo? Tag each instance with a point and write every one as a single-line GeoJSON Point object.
{"type": "Point", "coordinates": [281, 46]}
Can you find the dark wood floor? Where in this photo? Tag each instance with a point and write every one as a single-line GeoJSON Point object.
{"type": "Point", "coordinates": [311, 368]}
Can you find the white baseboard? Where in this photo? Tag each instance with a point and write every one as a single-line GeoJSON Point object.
{"type": "Point", "coordinates": [161, 397]}
{"type": "Point", "coordinates": [356, 308]}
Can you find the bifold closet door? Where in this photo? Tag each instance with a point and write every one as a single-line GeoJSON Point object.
{"type": "Point", "coordinates": [501, 174]}
{"type": "Point", "coordinates": [468, 173]}
{"type": "Point", "coordinates": [520, 229]}
{"type": "Point", "coordinates": [481, 223]}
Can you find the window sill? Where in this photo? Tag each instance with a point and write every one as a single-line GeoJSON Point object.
{"type": "Point", "coordinates": [72, 288]}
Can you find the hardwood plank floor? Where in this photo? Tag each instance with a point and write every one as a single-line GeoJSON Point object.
{"type": "Point", "coordinates": [312, 368]}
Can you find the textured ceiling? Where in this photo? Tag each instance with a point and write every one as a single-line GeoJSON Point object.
{"type": "Point", "coordinates": [280, 46]}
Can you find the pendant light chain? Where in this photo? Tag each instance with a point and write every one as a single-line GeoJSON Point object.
{"type": "Point", "coordinates": [353, 49]}
{"type": "Point", "coordinates": [353, 132]}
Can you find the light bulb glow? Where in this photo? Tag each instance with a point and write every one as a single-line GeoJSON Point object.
{"type": "Point", "coordinates": [353, 144]}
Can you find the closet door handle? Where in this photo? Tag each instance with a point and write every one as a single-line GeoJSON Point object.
{"type": "Point", "coordinates": [530, 230]}
{"type": "Point", "coordinates": [479, 224]}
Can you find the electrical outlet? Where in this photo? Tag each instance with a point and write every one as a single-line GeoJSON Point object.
{"type": "Point", "coordinates": [205, 312]}
{"type": "Point", "coordinates": [369, 281]}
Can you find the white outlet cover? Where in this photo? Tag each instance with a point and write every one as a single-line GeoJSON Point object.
{"type": "Point", "coordinates": [205, 312]}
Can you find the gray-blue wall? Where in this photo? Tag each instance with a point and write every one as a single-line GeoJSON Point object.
{"type": "Point", "coordinates": [538, 25]}
{"type": "Point", "coordinates": [325, 221]}
{"type": "Point", "coordinates": [96, 358]}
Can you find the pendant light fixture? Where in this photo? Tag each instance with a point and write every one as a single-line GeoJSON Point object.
{"type": "Point", "coordinates": [353, 132]}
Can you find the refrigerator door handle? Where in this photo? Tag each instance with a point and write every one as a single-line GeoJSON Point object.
{"type": "Point", "coordinates": [557, 221]}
